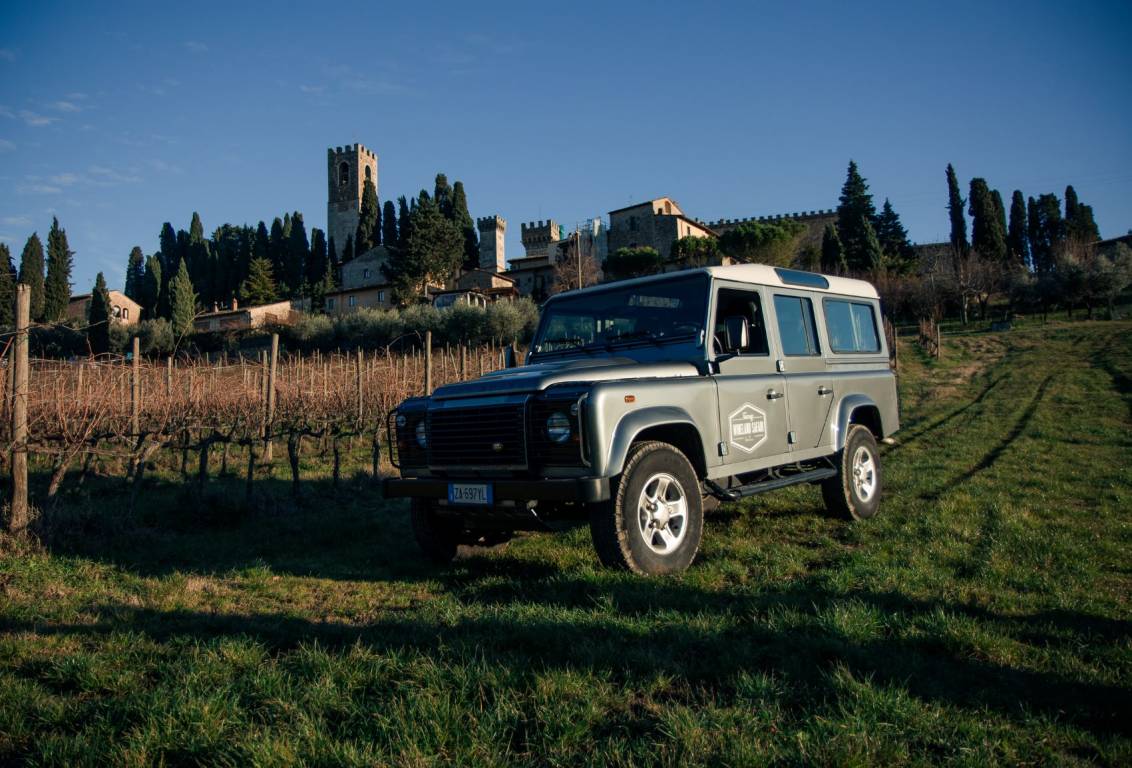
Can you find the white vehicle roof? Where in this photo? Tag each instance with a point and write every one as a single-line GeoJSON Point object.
{"type": "Point", "coordinates": [757, 274]}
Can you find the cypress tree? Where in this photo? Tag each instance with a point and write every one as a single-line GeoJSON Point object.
{"type": "Point", "coordinates": [1047, 232]}
{"type": "Point", "coordinates": [955, 210]}
{"type": "Point", "coordinates": [199, 258]}
{"type": "Point", "coordinates": [298, 251]}
{"type": "Point", "coordinates": [277, 246]}
{"type": "Point", "coordinates": [999, 213]}
{"type": "Point", "coordinates": [151, 287]}
{"type": "Point", "coordinates": [348, 249]}
{"type": "Point", "coordinates": [854, 211]}
{"type": "Point", "coordinates": [318, 263]}
{"type": "Point", "coordinates": [463, 219]}
{"type": "Point", "coordinates": [169, 265]}
{"type": "Point", "coordinates": [987, 238]}
{"type": "Point", "coordinates": [135, 274]}
{"type": "Point", "coordinates": [332, 252]}
{"type": "Point", "coordinates": [183, 301]}
{"type": "Point", "coordinates": [259, 287]}
{"type": "Point", "coordinates": [98, 319]}
{"type": "Point", "coordinates": [7, 287]}
{"type": "Point", "coordinates": [57, 285]}
{"type": "Point", "coordinates": [404, 226]}
{"type": "Point", "coordinates": [1079, 222]}
{"type": "Point", "coordinates": [442, 195]}
{"type": "Point", "coordinates": [898, 252]}
{"type": "Point", "coordinates": [832, 254]}
{"type": "Point", "coordinates": [871, 255]}
{"type": "Point", "coordinates": [368, 233]}
{"type": "Point", "coordinates": [31, 274]}
{"type": "Point", "coordinates": [389, 224]}
{"type": "Point", "coordinates": [1017, 243]}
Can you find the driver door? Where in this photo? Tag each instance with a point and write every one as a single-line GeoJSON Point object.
{"type": "Point", "coordinates": [751, 391]}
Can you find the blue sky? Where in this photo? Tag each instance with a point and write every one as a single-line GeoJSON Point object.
{"type": "Point", "coordinates": [117, 119]}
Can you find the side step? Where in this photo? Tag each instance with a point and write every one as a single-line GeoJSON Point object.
{"type": "Point", "coordinates": [751, 489]}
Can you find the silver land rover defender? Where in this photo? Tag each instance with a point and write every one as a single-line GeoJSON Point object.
{"type": "Point", "coordinates": [642, 399]}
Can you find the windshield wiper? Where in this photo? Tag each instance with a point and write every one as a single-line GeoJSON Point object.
{"type": "Point", "coordinates": [573, 343]}
{"type": "Point", "coordinates": [644, 334]}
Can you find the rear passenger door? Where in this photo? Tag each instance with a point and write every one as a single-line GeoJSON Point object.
{"type": "Point", "coordinates": [809, 384]}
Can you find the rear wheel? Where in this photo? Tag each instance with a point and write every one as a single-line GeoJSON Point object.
{"type": "Point", "coordinates": [855, 491]}
{"type": "Point", "coordinates": [437, 536]}
{"type": "Point", "coordinates": [654, 522]}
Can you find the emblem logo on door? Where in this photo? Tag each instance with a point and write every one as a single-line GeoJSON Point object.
{"type": "Point", "coordinates": [748, 427]}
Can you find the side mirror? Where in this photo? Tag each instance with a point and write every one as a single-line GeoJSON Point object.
{"type": "Point", "coordinates": [737, 333]}
{"type": "Point", "coordinates": [509, 356]}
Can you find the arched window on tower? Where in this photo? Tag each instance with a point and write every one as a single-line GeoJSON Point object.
{"type": "Point", "coordinates": [344, 174]}
{"type": "Point", "coordinates": [367, 174]}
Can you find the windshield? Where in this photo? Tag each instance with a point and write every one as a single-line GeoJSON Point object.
{"type": "Point", "coordinates": [646, 313]}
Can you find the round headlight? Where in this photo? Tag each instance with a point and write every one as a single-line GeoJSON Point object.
{"type": "Point", "coordinates": [558, 427]}
{"type": "Point", "coordinates": [401, 421]}
{"type": "Point", "coordinates": [422, 434]}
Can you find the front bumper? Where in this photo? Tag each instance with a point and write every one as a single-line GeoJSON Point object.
{"type": "Point", "coordinates": [583, 490]}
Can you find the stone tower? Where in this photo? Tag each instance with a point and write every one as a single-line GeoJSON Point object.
{"type": "Point", "coordinates": [347, 170]}
{"type": "Point", "coordinates": [492, 255]}
{"type": "Point", "coordinates": [538, 237]}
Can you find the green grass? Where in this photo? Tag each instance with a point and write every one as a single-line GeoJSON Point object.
{"type": "Point", "coordinates": [983, 617]}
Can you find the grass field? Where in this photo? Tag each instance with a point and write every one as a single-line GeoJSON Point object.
{"type": "Point", "coordinates": [984, 617]}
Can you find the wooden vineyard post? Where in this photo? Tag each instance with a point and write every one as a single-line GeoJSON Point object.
{"type": "Point", "coordinates": [428, 363]}
{"type": "Point", "coordinates": [169, 376]}
{"type": "Point", "coordinates": [358, 379]}
{"type": "Point", "coordinates": [463, 362]}
{"type": "Point", "coordinates": [135, 388]}
{"type": "Point", "coordinates": [18, 514]}
{"type": "Point", "coordinates": [269, 416]}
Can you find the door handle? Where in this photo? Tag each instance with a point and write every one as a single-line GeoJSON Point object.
{"type": "Point", "coordinates": [772, 395]}
{"type": "Point", "coordinates": [824, 390]}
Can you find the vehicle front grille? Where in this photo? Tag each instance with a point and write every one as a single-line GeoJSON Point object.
{"type": "Point", "coordinates": [485, 436]}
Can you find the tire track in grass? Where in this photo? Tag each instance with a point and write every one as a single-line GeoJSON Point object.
{"type": "Point", "coordinates": [994, 454]}
{"type": "Point", "coordinates": [944, 420]}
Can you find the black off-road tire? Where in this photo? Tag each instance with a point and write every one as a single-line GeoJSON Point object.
{"type": "Point", "coordinates": [614, 526]}
{"type": "Point", "coordinates": [437, 536]}
{"type": "Point", "coordinates": [842, 495]}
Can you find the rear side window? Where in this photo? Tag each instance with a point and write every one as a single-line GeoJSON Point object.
{"type": "Point", "coordinates": [796, 325]}
{"type": "Point", "coordinates": [852, 326]}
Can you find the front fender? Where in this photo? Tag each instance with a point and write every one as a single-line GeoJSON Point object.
{"type": "Point", "coordinates": [635, 422]}
{"type": "Point", "coordinates": [845, 410]}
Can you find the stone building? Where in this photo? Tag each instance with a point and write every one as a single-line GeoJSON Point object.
{"type": "Point", "coordinates": [656, 223]}
{"type": "Point", "coordinates": [123, 309]}
{"type": "Point", "coordinates": [244, 318]}
{"type": "Point", "coordinates": [493, 254]}
{"type": "Point", "coordinates": [347, 170]}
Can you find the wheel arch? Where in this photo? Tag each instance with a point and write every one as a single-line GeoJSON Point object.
{"type": "Point", "coordinates": [858, 409]}
{"type": "Point", "coordinates": [666, 424]}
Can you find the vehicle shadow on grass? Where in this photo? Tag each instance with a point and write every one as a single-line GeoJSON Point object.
{"type": "Point", "coordinates": [576, 636]}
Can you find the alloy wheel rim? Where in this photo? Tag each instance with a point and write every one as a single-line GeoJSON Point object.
{"type": "Point", "coordinates": [662, 513]}
{"type": "Point", "coordinates": [864, 474]}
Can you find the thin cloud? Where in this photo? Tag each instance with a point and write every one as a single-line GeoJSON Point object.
{"type": "Point", "coordinates": [312, 88]}
{"type": "Point", "coordinates": [64, 179]}
{"type": "Point", "coordinates": [16, 221]}
{"type": "Point", "coordinates": [37, 188]}
{"type": "Point", "coordinates": [65, 106]}
{"type": "Point", "coordinates": [6, 146]}
{"type": "Point", "coordinates": [35, 119]}
{"type": "Point", "coordinates": [196, 46]}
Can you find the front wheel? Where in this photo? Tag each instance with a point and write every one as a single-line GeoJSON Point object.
{"type": "Point", "coordinates": [436, 536]}
{"type": "Point", "coordinates": [854, 492]}
{"type": "Point", "coordinates": [654, 522]}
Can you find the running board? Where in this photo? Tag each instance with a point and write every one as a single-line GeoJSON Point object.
{"type": "Point", "coordinates": [751, 489]}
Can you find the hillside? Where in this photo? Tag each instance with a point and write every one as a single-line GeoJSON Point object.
{"type": "Point", "coordinates": [983, 617]}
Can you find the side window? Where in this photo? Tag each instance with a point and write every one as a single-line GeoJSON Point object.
{"type": "Point", "coordinates": [796, 327]}
{"type": "Point", "coordinates": [736, 303]}
{"type": "Point", "coordinates": [852, 326]}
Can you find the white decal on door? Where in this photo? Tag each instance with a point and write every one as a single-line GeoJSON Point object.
{"type": "Point", "coordinates": [748, 428]}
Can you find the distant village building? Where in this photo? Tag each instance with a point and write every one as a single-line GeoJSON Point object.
{"type": "Point", "coordinates": [123, 309]}
{"type": "Point", "coordinates": [246, 318]}
{"type": "Point", "coordinates": [655, 224]}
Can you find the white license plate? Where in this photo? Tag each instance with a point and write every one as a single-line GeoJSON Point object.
{"type": "Point", "coordinates": [469, 493]}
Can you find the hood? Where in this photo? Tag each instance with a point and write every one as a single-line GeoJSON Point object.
{"type": "Point", "coordinates": [534, 378]}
